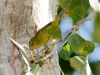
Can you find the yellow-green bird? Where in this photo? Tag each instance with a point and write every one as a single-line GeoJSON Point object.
{"type": "Point", "coordinates": [47, 33]}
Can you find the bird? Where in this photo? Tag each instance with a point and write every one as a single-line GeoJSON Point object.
{"type": "Point", "coordinates": [46, 34]}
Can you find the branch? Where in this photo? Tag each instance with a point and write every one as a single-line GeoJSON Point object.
{"type": "Point", "coordinates": [71, 32]}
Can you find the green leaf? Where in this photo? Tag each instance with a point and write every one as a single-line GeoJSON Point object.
{"type": "Point", "coordinates": [81, 64]}
{"type": "Point", "coordinates": [88, 49]}
{"type": "Point", "coordinates": [79, 45]}
{"type": "Point", "coordinates": [96, 34]}
{"type": "Point", "coordinates": [55, 32]}
{"type": "Point", "coordinates": [54, 29]}
{"type": "Point", "coordinates": [77, 9]}
{"type": "Point", "coordinates": [35, 68]}
{"type": "Point", "coordinates": [59, 10]}
{"type": "Point", "coordinates": [66, 52]}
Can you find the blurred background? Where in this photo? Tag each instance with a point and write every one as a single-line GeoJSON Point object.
{"type": "Point", "coordinates": [86, 32]}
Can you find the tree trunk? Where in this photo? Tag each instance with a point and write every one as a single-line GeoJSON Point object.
{"type": "Point", "coordinates": [19, 19]}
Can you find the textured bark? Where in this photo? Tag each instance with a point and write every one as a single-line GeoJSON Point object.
{"type": "Point", "coordinates": [18, 20]}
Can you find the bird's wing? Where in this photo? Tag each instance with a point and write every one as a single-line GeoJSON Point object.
{"type": "Point", "coordinates": [43, 28]}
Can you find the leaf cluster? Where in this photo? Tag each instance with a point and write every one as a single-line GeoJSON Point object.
{"type": "Point", "coordinates": [78, 10]}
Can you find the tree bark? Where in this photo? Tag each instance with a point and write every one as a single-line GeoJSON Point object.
{"type": "Point", "coordinates": [19, 19]}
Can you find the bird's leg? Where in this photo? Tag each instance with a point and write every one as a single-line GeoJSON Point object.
{"type": "Point", "coordinates": [37, 55]}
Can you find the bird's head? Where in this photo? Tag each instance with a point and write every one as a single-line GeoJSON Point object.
{"type": "Point", "coordinates": [34, 43]}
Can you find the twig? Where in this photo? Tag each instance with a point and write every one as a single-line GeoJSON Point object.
{"type": "Point", "coordinates": [48, 55]}
{"type": "Point", "coordinates": [71, 32]}
{"type": "Point", "coordinates": [97, 46]}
